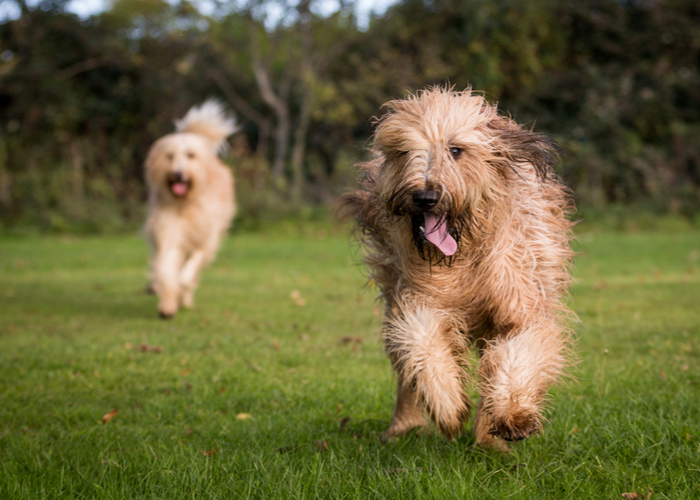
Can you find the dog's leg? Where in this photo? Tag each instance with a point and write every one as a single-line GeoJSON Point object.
{"type": "Point", "coordinates": [198, 260]}
{"type": "Point", "coordinates": [515, 371]}
{"type": "Point", "coordinates": [166, 270]}
{"type": "Point", "coordinates": [408, 414]}
{"type": "Point", "coordinates": [425, 347]}
{"type": "Point", "coordinates": [189, 277]}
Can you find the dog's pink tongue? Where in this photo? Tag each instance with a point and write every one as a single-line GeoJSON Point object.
{"type": "Point", "coordinates": [179, 188]}
{"type": "Point", "coordinates": [436, 233]}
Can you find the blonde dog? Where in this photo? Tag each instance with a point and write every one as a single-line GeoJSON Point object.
{"type": "Point", "coordinates": [466, 230]}
{"type": "Point", "coordinates": [191, 203]}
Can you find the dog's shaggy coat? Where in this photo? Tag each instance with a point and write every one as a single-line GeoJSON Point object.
{"type": "Point", "coordinates": [466, 230]}
{"type": "Point", "coordinates": [191, 203]}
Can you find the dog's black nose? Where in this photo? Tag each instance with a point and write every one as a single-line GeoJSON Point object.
{"type": "Point", "coordinates": [175, 176]}
{"type": "Point", "coordinates": [425, 200]}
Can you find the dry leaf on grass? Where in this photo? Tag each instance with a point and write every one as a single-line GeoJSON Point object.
{"type": "Point", "coordinates": [349, 339]}
{"type": "Point", "coordinates": [185, 372]}
{"type": "Point", "coordinates": [209, 453]}
{"type": "Point", "coordinates": [637, 496]}
{"type": "Point", "coordinates": [150, 348]}
{"type": "Point", "coordinates": [244, 416]}
{"type": "Point", "coordinates": [344, 422]}
{"type": "Point", "coordinates": [255, 367]}
{"type": "Point", "coordinates": [601, 285]}
{"type": "Point", "coordinates": [297, 298]}
{"type": "Point", "coordinates": [109, 416]}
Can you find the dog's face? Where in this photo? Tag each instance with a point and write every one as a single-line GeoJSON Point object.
{"type": "Point", "coordinates": [177, 164]}
{"type": "Point", "coordinates": [446, 156]}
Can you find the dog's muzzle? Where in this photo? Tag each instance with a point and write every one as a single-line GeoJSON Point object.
{"type": "Point", "coordinates": [179, 185]}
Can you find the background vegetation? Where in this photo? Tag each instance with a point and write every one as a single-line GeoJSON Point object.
{"type": "Point", "coordinates": [616, 82]}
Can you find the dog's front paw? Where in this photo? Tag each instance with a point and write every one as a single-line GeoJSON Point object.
{"type": "Point", "coordinates": [187, 299]}
{"type": "Point", "coordinates": [517, 425]}
{"type": "Point", "coordinates": [167, 309]}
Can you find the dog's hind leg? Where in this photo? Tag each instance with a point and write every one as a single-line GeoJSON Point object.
{"type": "Point", "coordinates": [515, 372]}
{"type": "Point", "coordinates": [408, 413]}
{"type": "Point", "coordinates": [426, 350]}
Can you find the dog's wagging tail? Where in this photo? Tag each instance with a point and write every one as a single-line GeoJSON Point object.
{"type": "Point", "coordinates": [466, 229]}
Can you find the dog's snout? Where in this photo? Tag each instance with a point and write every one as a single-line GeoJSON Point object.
{"type": "Point", "coordinates": [176, 176]}
{"type": "Point", "coordinates": [425, 200]}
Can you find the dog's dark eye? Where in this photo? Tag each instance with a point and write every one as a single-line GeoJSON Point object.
{"type": "Point", "coordinates": [190, 155]}
{"type": "Point", "coordinates": [455, 152]}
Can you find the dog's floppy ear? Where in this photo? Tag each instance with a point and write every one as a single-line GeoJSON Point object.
{"type": "Point", "coordinates": [517, 146]}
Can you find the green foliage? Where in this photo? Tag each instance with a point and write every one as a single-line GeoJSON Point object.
{"type": "Point", "coordinates": [617, 83]}
{"type": "Point", "coordinates": [77, 339]}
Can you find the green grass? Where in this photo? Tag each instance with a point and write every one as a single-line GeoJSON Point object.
{"type": "Point", "coordinates": [73, 316]}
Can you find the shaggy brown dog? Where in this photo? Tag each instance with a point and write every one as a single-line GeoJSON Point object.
{"type": "Point", "coordinates": [191, 203]}
{"type": "Point", "coordinates": [466, 232]}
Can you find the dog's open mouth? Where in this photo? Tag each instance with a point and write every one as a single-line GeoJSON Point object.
{"type": "Point", "coordinates": [436, 232]}
{"type": "Point", "coordinates": [178, 185]}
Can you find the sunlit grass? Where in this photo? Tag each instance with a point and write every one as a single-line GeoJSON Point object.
{"type": "Point", "coordinates": [78, 339]}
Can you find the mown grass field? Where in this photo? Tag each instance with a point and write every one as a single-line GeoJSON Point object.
{"type": "Point", "coordinates": [249, 395]}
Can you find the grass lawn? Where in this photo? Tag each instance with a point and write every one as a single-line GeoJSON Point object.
{"type": "Point", "coordinates": [255, 393]}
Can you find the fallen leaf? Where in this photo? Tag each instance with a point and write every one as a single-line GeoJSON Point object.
{"type": "Point", "coordinates": [348, 339]}
{"type": "Point", "coordinates": [185, 372]}
{"type": "Point", "coordinates": [243, 416]}
{"type": "Point", "coordinates": [255, 367]}
{"type": "Point", "coordinates": [222, 389]}
{"type": "Point", "coordinates": [295, 294]}
{"type": "Point", "coordinates": [188, 386]}
{"type": "Point", "coordinates": [128, 345]}
{"type": "Point", "coordinates": [344, 422]}
{"type": "Point", "coordinates": [516, 467]}
{"type": "Point", "coordinates": [601, 285]}
{"type": "Point", "coordinates": [637, 496]}
{"type": "Point", "coordinates": [305, 337]}
{"type": "Point", "coordinates": [574, 430]}
{"type": "Point", "coordinates": [338, 407]}
{"type": "Point", "coordinates": [167, 392]}
{"type": "Point", "coordinates": [188, 432]}
{"type": "Point", "coordinates": [685, 368]}
{"type": "Point", "coordinates": [276, 345]}
{"type": "Point", "coordinates": [662, 373]}
{"type": "Point", "coordinates": [209, 453]}
{"type": "Point", "coordinates": [150, 348]}
{"type": "Point", "coordinates": [109, 416]}
{"type": "Point", "coordinates": [321, 445]}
